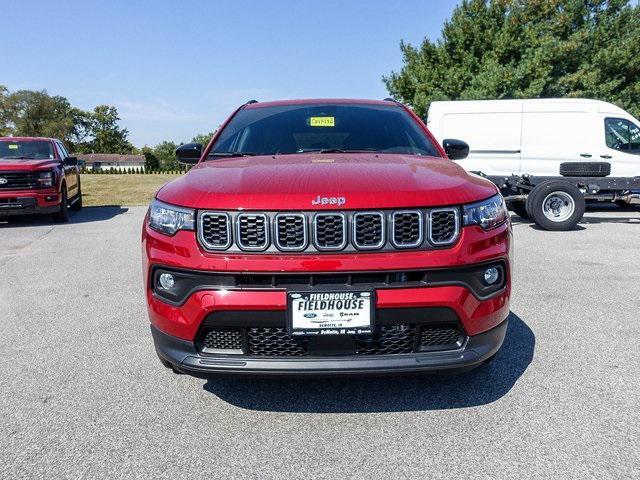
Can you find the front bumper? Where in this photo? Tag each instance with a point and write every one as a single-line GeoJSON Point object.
{"type": "Point", "coordinates": [184, 356]}
{"type": "Point", "coordinates": [28, 202]}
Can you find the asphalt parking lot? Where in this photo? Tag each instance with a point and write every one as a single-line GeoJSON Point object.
{"type": "Point", "coordinates": [83, 395]}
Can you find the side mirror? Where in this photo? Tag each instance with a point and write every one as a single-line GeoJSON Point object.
{"type": "Point", "coordinates": [71, 161]}
{"type": "Point", "coordinates": [455, 149]}
{"type": "Point", "coordinates": [189, 153]}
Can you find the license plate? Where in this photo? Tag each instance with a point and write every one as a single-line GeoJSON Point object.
{"type": "Point", "coordinates": [330, 313]}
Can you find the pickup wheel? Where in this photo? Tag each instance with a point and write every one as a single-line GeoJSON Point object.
{"type": "Point", "coordinates": [63, 215]}
{"type": "Point", "coordinates": [520, 209]}
{"type": "Point", "coordinates": [556, 205]}
{"type": "Point", "coordinates": [77, 203]}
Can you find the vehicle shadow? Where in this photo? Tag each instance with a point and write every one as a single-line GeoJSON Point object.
{"type": "Point", "coordinates": [86, 215]}
{"type": "Point", "coordinates": [481, 386]}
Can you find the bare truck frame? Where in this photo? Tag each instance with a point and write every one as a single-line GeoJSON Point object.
{"type": "Point", "coordinates": [558, 203]}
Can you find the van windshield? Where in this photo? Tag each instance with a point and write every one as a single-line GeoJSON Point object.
{"type": "Point", "coordinates": [21, 149]}
{"type": "Point", "coordinates": [323, 128]}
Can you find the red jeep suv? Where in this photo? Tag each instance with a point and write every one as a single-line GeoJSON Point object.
{"type": "Point", "coordinates": [37, 175]}
{"type": "Point", "coordinates": [326, 237]}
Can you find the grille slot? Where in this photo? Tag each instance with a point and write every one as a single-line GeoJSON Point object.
{"type": "Point", "coordinates": [330, 231]}
{"type": "Point", "coordinates": [253, 231]}
{"type": "Point", "coordinates": [368, 230]}
{"type": "Point", "coordinates": [291, 231]}
{"type": "Point", "coordinates": [440, 337]}
{"type": "Point", "coordinates": [222, 340]}
{"type": "Point", "coordinates": [444, 226]}
{"type": "Point", "coordinates": [215, 230]}
{"type": "Point", "coordinates": [273, 342]}
{"type": "Point", "coordinates": [407, 228]}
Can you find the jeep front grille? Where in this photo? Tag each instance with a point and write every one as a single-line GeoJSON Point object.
{"type": "Point", "coordinates": [347, 231]}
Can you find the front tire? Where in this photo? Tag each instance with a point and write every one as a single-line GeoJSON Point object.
{"type": "Point", "coordinates": [556, 205]}
{"type": "Point", "coordinates": [63, 215]}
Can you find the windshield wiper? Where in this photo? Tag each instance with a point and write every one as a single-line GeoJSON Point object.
{"type": "Point", "coordinates": [231, 154]}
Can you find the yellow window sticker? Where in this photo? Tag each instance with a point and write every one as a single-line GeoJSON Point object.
{"type": "Point", "coordinates": [13, 146]}
{"type": "Point", "coordinates": [322, 122]}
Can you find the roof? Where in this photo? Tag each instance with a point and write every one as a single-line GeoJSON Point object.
{"type": "Point", "coordinates": [319, 101]}
{"type": "Point", "coordinates": [111, 158]}
{"type": "Point", "coordinates": [28, 139]}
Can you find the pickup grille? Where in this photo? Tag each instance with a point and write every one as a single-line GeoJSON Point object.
{"type": "Point", "coordinates": [18, 181]}
{"type": "Point", "coordinates": [329, 231]}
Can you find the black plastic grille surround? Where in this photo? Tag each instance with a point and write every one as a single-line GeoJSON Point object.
{"type": "Point", "coordinates": [347, 231]}
{"type": "Point", "coordinates": [385, 340]}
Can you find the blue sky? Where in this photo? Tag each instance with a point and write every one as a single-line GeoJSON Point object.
{"type": "Point", "coordinates": [177, 68]}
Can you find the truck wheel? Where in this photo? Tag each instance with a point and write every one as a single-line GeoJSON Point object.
{"type": "Point", "coordinates": [520, 209]}
{"type": "Point", "coordinates": [556, 205]}
{"type": "Point", "coordinates": [77, 204]}
{"type": "Point", "coordinates": [63, 215]}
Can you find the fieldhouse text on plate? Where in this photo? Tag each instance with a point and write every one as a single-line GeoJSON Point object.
{"type": "Point", "coordinates": [332, 301]}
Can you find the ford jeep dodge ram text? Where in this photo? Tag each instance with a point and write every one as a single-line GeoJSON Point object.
{"type": "Point", "coordinates": [37, 175]}
{"type": "Point", "coordinates": [326, 237]}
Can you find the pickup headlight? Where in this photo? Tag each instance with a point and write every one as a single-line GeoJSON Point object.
{"type": "Point", "coordinates": [168, 219]}
{"type": "Point", "coordinates": [489, 213]}
{"type": "Point", "coordinates": [45, 179]}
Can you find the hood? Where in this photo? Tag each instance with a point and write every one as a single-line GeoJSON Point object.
{"type": "Point", "coordinates": [325, 182]}
{"type": "Point", "coordinates": [26, 164]}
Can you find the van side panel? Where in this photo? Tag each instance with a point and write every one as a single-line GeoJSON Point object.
{"type": "Point", "coordinates": [557, 133]}
{"type": "Point", "coordinates": [493, 135]}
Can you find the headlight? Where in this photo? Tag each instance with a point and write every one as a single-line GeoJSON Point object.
{"type": "Point", "coordinates": [168, 219]}
{"type": "Point", "coordinates": [45, 179]}
{"type": "Point", "coordinates": [488, 213]}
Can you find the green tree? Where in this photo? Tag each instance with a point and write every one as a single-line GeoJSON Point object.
{"type": "Point", "coordinates": [202, 138]}
{"type": "Point", "coordinates": [165, 152]}
{"type": "Point", "coordinates": [4, 118]}
{"type": "Point", "coordinates": [108, 137]}
{"type": "Point", "coordinates": [31, 113]}
{"type": "Point", "coordinates": [151, 162]}
{"type": "Point", "coordinates": [524, 49]}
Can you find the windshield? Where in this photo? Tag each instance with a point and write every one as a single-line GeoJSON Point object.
{"type": "Point", "coordinates": [324, 128]}
{"type": "Point", "coordinates": [32, 149]}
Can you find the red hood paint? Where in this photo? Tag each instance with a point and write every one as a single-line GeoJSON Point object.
{"type": "Point", "coordinates": [22, 165]}
{"type": "Point", "coordinates": [292, 182]}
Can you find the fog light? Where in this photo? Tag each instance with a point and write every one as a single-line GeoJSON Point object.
{"type": "Point", "coordinates": [491, 275]}
{"type": "Point", "coordinates": [167, 281]}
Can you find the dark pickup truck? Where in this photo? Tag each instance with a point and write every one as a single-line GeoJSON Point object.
{"type": "Point", "coordinates": [37, 176]}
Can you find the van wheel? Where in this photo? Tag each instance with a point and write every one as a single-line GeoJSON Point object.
{"type": "Point", "coordinates": [520, 209]}
{"type": "Point", "coordinates": [556, 205]}
{"type": "Point", "coordinates": [63, 215]}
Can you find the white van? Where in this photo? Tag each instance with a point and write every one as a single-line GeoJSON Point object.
{"type": "Point", "coordinates": [534, 137]}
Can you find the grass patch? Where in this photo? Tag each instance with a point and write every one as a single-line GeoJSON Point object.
{"type": "Point", "coordinates": [117, 189]}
